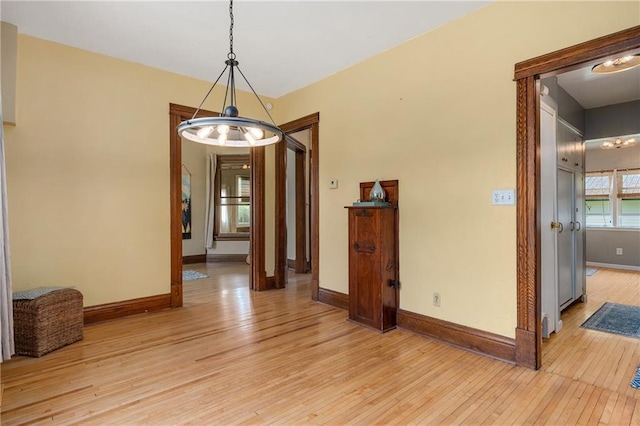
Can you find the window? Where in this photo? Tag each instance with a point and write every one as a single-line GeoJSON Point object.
{"type": "Point", "coordinates": [597, 192]}
{"type": "Point", "coordinates": [233, 198]}
{"type": "Point", "coordinates": [613, 198]}
{"type": "Point", "coordinates": [244, 209]}
{"type": "Point", "coordinates": [629, 198]}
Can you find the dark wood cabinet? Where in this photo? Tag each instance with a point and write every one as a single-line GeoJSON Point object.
{"type": "Point", "coordinates": [373, 268]}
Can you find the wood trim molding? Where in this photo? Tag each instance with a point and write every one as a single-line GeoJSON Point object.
{"type": "Point", "coordinates": [109, 311]}
{"type": "Point", "coordinates": [527, 75]}
{"type": "Point", "coordinates": [468, 338]}
{"type": "Point", "coordinates": [291, 264]}
{"type": "Point", "coordinates": [257, 275]}
{"type": "Point", "coordinates": [280, 215]}
{"type": "Point", "coordinates": [311, 122]}
{"type": "Point", "coordinates": [216, 258]}
{"type": "Point", "coordinates": [175, 208]}
{"type": "Point", "coordinates": [301, 123]}
{"type": "Point", "coordinates": [334, 298]}
{"type": "Point", "coordinates": [295, 144]}
{"type": "Point", "coordinates": [177, 113]}
{"type": "Point", "coordinates": [301, 214]}
{"type": "Point", "coordinates": [195, 258]}
{"type": "Point", "coordinates": [270, 282]}
{"type": "Point", "coordinates": [583, 54]}
{"type": "Point", "coordinates": [528, 231]}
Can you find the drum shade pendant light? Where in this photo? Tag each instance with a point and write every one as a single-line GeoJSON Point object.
{"type": "Point", "coordinates": [229, 129]}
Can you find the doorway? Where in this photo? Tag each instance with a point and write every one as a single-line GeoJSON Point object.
{"type": "Point", "coordinates": [310, 123]}
{"type": "Point", "coordinates": [259, 281]}
{"type": "Point", "coordinates": [527, 76]}
{"type": "Point", "coordinates": [298, 201]}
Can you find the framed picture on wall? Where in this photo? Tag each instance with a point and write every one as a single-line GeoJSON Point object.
{"type": "Point", "coordinates": [186, 206]}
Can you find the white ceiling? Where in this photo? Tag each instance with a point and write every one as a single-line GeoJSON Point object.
{"type": "Point", "coordinates": [281, 45]}
{"type": "Point", "coordinates": [597, 90]}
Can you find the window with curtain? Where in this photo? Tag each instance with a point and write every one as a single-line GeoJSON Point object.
{"type": "Point", "coordinates": [233, 198]}
{"type": "Point", "coordinates": [613, 198]}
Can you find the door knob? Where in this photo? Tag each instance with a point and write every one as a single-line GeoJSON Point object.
{"type": "Point", "coordinates": [558, 225]}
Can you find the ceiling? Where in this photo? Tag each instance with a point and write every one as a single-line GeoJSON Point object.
{"type": "Point", "coordinates": [281, 45]}
{"type": "Point", "coordinates": [597, 90]}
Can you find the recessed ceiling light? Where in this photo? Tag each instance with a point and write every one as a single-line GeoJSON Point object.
{"type": "Point", "coordinates": [617, 64]}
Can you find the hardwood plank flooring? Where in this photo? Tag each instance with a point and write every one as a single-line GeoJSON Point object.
{"type": "Point", "coordinates": [232, 356]}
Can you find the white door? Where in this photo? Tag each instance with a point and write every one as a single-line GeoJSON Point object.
{"type": "Point", "coordinates": [548, 170]}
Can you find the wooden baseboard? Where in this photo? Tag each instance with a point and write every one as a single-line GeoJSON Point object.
{"type": "Point", "coordinates": [468, 338]}
{"type": "Point", "coordinates": [196, 258]}
{"type": "Point", "coordinates": [213, 258]}
{"type": "Point", "coordinates": [271, 283]}
{"type": "Point", "coordinates": [291, 264]}
{"type": "Point", "coordinates": [526, 349]}
{"type": "Point", "coordinates": [333, 298]}
{"type": "Point", "coordinates": [115, 310]}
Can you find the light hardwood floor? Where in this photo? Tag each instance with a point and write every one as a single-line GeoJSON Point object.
{"type": "Point", "coordinates": [232, 356]}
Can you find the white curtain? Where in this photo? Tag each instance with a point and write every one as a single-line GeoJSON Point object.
{"type": "Point", "coordinates": [6, 303]}
{"type": "Point", "coordinates": [210, 214]}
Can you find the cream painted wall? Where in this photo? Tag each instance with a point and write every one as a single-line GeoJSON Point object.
{"type": "Point", "coordinates": [194, 158]}
{"type": "Point", "coordinates": [438, 113]}
{"type": "Point", "coordinates": [88, 170]}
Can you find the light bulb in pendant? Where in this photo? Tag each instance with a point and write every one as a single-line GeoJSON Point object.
{"type": "Point", "coordinates": [222, 139]}
{"type": "Point", "coordinates": [223, 129]}
{"type": "Point", "coordinates": [256, 132]}
{"type": "Point", "coordinates": [204, 132]}
{"type": "Point", "coordinates": [249, 137]}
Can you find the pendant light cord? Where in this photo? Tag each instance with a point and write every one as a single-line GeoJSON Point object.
{"type": "Point", "coordinates": [231, 84]}
{"type": "Point", "coordinates": [231, 55]}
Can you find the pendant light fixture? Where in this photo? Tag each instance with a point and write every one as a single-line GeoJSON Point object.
{"type": "Point", "coordinates": [615, 65]}
{"type": "Point", "coordinates": [229, 129]}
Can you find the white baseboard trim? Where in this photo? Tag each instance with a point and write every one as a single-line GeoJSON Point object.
{"type": "Point", "coordinates": [614, 266]}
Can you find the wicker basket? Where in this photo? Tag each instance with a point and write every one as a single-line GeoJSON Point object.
{"type": "Point", "coordinates": [48, 322]}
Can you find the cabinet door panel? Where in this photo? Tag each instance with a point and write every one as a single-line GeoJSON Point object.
{"type": "Point", "coordinates": [372, 267]}
{"type": "Point", "coordinates": [565, 237]}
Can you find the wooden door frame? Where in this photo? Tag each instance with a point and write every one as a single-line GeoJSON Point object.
{"type": "Point", "coordinates": [257, 276]}
{"type": "Point", "coordinates": [300, 152]}
{"type": "Point", "coordinates": [527, 77]}
{"type": "Point", "coordinates": [311, 122]}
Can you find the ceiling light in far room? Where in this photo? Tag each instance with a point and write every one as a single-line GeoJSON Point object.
{"type": "Point", "coordinates": [623, 142]}
{"type": "Point", "coordinates": [617, 65]}
{"type": "Point", "coordinates": [228, 128]}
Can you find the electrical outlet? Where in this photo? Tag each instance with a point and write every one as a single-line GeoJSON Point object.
{"type": "Point", "coordinates": [503, 197]}
{"type": "Point", "coordinates": [436, 299]}
{"type": "Point", "coordinates": [333, 183]}
{"type": "Point", "coordinates": [619, 251]}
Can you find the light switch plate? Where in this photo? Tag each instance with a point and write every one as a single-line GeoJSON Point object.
{"type": "Point", "coordinates": [333, 183]}
{"type": "Point", "coordinates": [503, 197]}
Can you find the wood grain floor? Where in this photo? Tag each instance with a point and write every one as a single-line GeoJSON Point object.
{"type": "Point", "coordinates": [232, 356]}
